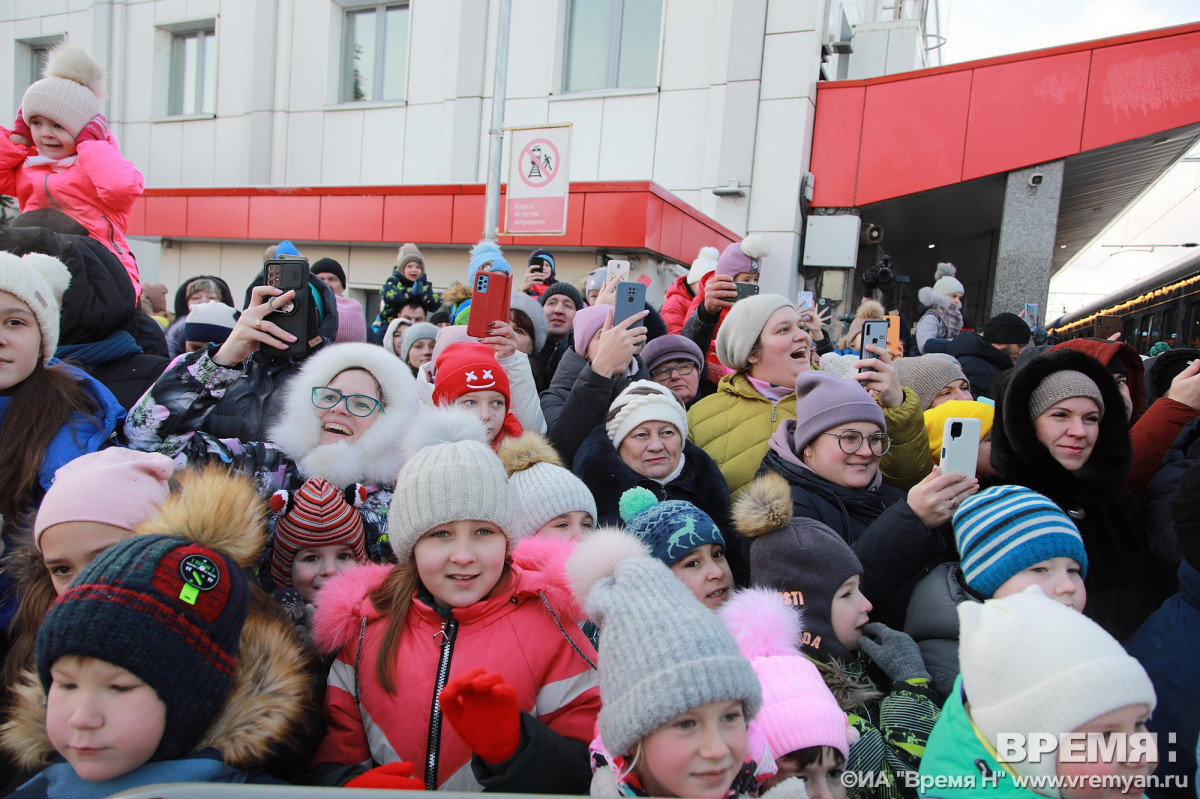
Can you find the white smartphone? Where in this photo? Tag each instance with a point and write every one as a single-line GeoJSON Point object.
{"type": "Point", "coordinates": [960, 445]}
{"type": "Point", "coordinates": [804, 300]}
{"type": "Point", "coordinates": [618, 269]}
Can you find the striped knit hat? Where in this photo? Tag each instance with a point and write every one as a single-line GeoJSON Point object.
{"type": "Point", "coordinates": [319, 516]}
{"type": "Point", "coordinates": [1004, 530]}
{"type": "Point", "coordinates": [169, 611]}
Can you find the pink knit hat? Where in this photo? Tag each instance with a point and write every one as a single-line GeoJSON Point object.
{"type": "Point", "coordinates": [798, 709]}
{"type": "Point", "coordinates": [588, 322]}
{"type": "Point", "coordinates": [114, 486]}
{"type": "Point", "coordinates": [352, 325]}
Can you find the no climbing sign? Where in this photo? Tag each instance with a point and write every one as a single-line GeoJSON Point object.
{"type": "Point", "coordinates": [536, 203]}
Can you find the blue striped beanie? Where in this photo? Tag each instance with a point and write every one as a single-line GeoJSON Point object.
{"type": "Point", "coordinates": [1006, 529]}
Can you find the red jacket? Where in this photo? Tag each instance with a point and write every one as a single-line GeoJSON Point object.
{"type": "Point", "coordinates": [1151, 437]}
{"type": "Point", "coordinates": [676, 305]}
{"type": "Point", "coordinates": [512, 633]}
{"type": "Point", "coordinates": [98, 191]}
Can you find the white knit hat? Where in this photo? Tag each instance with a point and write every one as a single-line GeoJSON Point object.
{"type": "Point", "coordinates": [743, 325]}
{"type": "Point", "coordinates": [705, 262]}
{"type": "Point", "coordinates": [644, 401]}
{"type": "Point", "coordinates": [945, 282]}
{"type": "Point", "coordinates": [544, 489]}
{"type": "Point", "coordinates": [38, 281]}
{"type": "Point", "coordinates": [450, 474]}
{"type": "Point", "coordinates": [68, 94]}
{"type": "Point", "coordinates": [1030, 665]}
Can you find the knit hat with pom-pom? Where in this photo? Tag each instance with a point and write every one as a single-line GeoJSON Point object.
{"type": "Point", "coordinates": [743, 256]}
{"type": "Point", "coordinates": [318, 516]}
{"type": "Point", "coordinates": [69, 92]}
{"type": "Point", "coordinates": [486, 254]}
{"type": "Point", "coordinates": [544, 489]}
{"type": "Point", "coordinates": [38, 281]}
{"type": "Point", "coordinates": [798, 709]}
{"type": "Point", "coordinates": [945, 282]}
{"type": "Point", "coordinates": [705, 262]}
{"type": "Point", "coordinates": [664, 652]}
{"type": "Point", "coordinates": [448, 459]}
{"type": "Point", "coordinates": [670, 529]}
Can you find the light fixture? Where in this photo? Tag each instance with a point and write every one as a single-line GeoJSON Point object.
{"type": "Point", "coordinates": [1062, 246]}
{"type": "Point", "coordinates": [734, 189]}
{"type": "Point", "coordinates": [931, 246]}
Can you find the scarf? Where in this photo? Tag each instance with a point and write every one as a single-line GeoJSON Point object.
{"type": "Point", "coordinates": [93, 353]}
{"type": "Point", "coordinates": [950, 320]}
{"type": "Point", "coordinates": [57, 164]}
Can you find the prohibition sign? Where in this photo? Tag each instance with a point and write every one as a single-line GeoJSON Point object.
{"type": "Point", "coordinates": [539, 163]}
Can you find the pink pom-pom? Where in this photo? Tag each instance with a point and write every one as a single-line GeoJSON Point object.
{"type": "Point", "coordinates": [762, 624]}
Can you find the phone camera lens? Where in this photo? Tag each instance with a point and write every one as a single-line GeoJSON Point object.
{"type": "Point", "coordinates": [956, 430]}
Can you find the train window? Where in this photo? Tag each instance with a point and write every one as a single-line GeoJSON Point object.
{"type": "Point", "coordinates": [1170, 325]}
{"type": "Point", "coordinates": [1129, 331]}
{"type": "Point", "coordinates": [1145, 329]}
{"type": "Point", "coordinates": [1191, 333]}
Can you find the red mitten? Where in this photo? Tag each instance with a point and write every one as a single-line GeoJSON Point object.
{"type": "Point", "coordinates": [21, 127]}
{"type": "Point", "coordinates": [95, 130]}
{"type": "Point", "coordinates": [482, 709]}
{"type": "Point", "coordinates": [396, 776]}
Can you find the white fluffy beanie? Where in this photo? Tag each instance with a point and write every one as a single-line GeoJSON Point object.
{"type": "Point", "coordinates": [1030, 664]}
{"type": "Point", "coordinates": [69, 92]}
{"type": "Point", "coordinates": [705, 262]}
{"type": "Point", "coordinates": [450, 474]}
{"type": "Point", "coordinates": [644, 401]}
{"type": "Point", "coordinates": [38, 281]}
{"type": "Point", "coordinates": [543, 487]}
{"type": "Point", "coordinates": [945, 281]}
{"type": "Point", "coordinates": [742, 327]}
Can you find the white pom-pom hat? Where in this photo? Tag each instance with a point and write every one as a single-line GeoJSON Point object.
{"type": "Point", "coordinates": [38, 281]}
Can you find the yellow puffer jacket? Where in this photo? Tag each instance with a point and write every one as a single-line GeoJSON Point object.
{"type": "Point", "coordinates": [734, 424]}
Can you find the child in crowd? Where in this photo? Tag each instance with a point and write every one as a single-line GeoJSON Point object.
{"type": "Point", "coordinates": [936, 378]}
{"type": "Point", "coordinates": [1031, 666]}
{"type": "Point", "coordinates": [61, 154]}
{"type": "Point", "coordinates": [685, 539]}
{"type": "Point", "coordinates": [550, 500]}
{"type": "Point", "coordinates": [1008, 538]}
{"type": "Point", "coordinates": [522, 727]}
{"type": "Point", "coordinates": [412, 344]}
{"type": "Point", "coordinates": [408, 281]}
{"type": "Point", "coordinates": [935, 425]}
{"type": "Point", "coordinates": [739, 262]}
{"type": "Point", "coordinates": [469, 376]}
{"type": "Point", "coordinates": [155, 666]}
{"type": "Point", "coordinates": [800, 723]}
{"type": "Point", "coordinates": [943, 317]}
{"type": "Point", "coordinates": [876, 672]}
{"type": "Point", "coordinates": [208, 323]}
{"type": "Point", "coordinates": [677, 693]}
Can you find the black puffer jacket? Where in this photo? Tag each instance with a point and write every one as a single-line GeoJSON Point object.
{"type": "Point", "coordinates": [600, 467]}
{"type": "Point", "coordinates": [1160, 519]}
{"type": "Point", "coordinates": [102, 332]}
{"type": "Point", "coordinates": [981, 362]}
{"type": "Point", "coordinates": [1125, 583]}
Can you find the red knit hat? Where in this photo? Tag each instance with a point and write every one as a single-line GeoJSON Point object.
{"type": "Point", "coordinates": [318, 516]}
{"type": "Point", "coordinates": [466, 367]}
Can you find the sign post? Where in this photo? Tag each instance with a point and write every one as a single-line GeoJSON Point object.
{"type": "Point", "coordinates": [538, 185]}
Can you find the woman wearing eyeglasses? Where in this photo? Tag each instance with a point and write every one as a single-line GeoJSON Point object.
{"type": "Point", "coordinates": [830, 455]}
{"type": "Point", "coordinates": [677, 363]}
{"type": "Point", "coordinates": [342, 419]}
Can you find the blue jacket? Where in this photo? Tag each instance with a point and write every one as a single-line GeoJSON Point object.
{"type": "Point", "coordinates": [1168, 646]}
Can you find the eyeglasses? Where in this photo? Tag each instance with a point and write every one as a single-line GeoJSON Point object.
{"type": "Point", "coordinates": [682, 369]}
{"type": "Point", "coordinates": [851, 441]}
{"type": "Point", "coordinates": [325, 398]}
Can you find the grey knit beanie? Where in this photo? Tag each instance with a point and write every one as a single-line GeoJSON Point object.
{"type": "Point", "coordinates": [450, 474]}
{"type": "Point", "coordinates": [1058, 386]}
{"type": "Point", "coordinates": [742, 327]}
{"type": "Point", "coordinates": [543, 489]}
{"type": "Point", "coordinates": [825, 401]}
{"type": "Point", "coordinates": [664, 652]}
{"type": "Point", "coordinates": [415, 333]}
{"type": "Point", "coordinates": [520, 301]}
{"type": "Point", "coordinates": [927, 375]}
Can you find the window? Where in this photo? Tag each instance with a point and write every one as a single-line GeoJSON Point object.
{"type": "Point", "coordinates": [37, 61]}
{"type": "Point", "coordinates": [375, 54]}
{"type": "Point", "coordinates": [1191, 333]}
{"type": "Point", "coordinates": [29, 59]}
{"type": "Point", "coordinates": [193, 73]}
{"type": "Point", "coordinates": [612, 44]}
{"type": "Point", "coordinates": [1170, 325]}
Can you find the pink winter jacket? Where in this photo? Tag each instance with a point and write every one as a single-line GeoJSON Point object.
{"type": "Point", "coordinates": [512, 633]}
{"type": "Point", "coordinates": [98, 191]}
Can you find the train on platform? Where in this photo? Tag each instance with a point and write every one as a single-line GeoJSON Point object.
{"type": "Point", "coordinates": [1163, 307]}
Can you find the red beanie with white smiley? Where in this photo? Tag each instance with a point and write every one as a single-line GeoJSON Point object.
{"type": "Point", "coordinates": [318, 516]}
{"type": "Point", "coordinates": [470, 366]}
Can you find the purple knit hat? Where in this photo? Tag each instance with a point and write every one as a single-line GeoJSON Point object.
{"type": "Point", "coordinates": [743, 256]}
{"type": "Point", "coordinates": [825, 401]}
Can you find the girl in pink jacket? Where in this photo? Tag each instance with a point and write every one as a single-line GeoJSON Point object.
{"type": "Point", "coordinates": [60, 154]}
{"type": "Point", "coordinates": [462, 667]}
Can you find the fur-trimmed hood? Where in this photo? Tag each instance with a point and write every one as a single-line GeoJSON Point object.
{"type": "Point", "coordinates": [269, 701]}
{"type": "Point", "coordinates": [375, 458]}
{"type": "Point", "coordinates": [1021, 459]}
{"type": "Point", "coordinates": [1108, 351]}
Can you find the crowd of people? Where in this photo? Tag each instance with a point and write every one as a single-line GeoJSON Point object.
{"type": "Point", "coordinates": [708, 550]}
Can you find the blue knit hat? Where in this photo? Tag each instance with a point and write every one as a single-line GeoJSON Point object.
{"type": "Point", "coordinates": [486, 252]}
{"type": "Point", "coordinates": [670, 529]}
{"type": "Point", "coordinates": [1004, 530]}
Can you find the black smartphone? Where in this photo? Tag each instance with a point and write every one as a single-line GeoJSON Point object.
{"type": "Point", "coordinates": [290, 274]}
{"type": "Point", "coordinates": [631, 298]}
{"type": "Point", "coordinates": [874, 331]}
{"type": "Point", "coordinates": [745, 290]}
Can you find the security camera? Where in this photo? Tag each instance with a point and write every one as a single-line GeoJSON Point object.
{"type": "Point", "coordinates": [1036, 179]}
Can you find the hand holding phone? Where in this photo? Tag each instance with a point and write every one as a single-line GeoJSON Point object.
{"type": "Point", "coordinates": [490, 300]}
{"type": "Point", "coordinates": [630, 298]}
{"type": "Point", "coordinates": [745, 290]}
{"type": "Point", "coordinates": [289, 274]}
{"type": "Point", "coordinates": [804, 300]}
{"type": "Point", "coordinates": [618, 270]}
{"type": "Point", "coordinates": [874, 332]}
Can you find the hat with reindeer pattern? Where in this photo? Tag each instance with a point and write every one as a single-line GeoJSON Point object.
{"type": "Point", "coordinates": [669, 529]}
